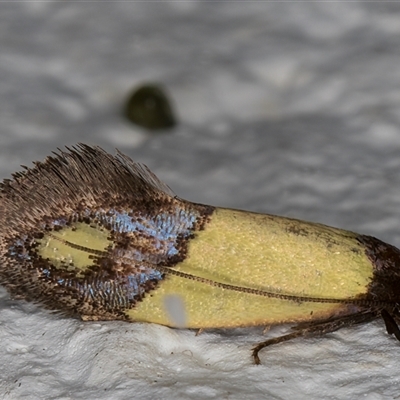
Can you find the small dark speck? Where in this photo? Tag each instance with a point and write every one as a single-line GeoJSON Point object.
{"type": "Point", "coordinates": [149, 106]}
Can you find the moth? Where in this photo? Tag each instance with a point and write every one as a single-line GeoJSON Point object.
{"type": "Point", "coordinates": [98, 236]}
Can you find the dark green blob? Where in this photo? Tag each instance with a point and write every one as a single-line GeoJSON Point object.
{"type": "Point", "coordinates": [148, 106]}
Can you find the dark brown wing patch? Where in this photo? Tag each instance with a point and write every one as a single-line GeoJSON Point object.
{"type": "Point", "coordinates": [84, 231]}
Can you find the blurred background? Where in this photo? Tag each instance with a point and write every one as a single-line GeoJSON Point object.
{"type": "Point", "coordinates": [288, 108]}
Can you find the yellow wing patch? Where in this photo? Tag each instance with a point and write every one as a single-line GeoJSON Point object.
{"type": "Point", "coordinates": [73, 247]}
{"type": "Point", "coordinates": [264, 252]}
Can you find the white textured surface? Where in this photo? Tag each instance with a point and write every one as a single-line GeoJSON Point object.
{"type": "Point", "coordinates": [289, 108]}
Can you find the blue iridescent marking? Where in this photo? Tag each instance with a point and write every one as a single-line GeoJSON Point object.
{"type": "Point", "coordinates": [164, 228]}
{"type": "Point", "coordinates": [60, 222]}
{"type": "Point", "coordinates": [15, 249]}
{"type": "Point", "coordinates": [136, 281]}
{"type": "Point", "coordinates": [46, 273]}
{"type": "Point", "coordinates": [159, 231]}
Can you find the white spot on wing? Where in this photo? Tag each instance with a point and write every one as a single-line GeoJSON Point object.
{"type": "Point", "coordinates": [175, 310]}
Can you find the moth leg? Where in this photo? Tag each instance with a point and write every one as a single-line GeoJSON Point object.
{"type": "Point", "coordinates": [266, 329]}
{"type": "Point", "coordinates": [272, 341]}
{"type": "Point", "coordinates": [391, 326]}
{"type": "Point", "coordinates": [316, 328]}
{"type": "Point", "coordinates": [199, 332]}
